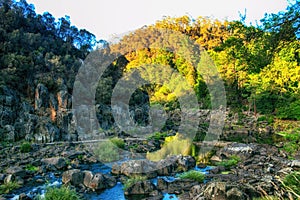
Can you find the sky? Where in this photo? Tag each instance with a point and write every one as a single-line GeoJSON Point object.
{"type": "Point", "coordinates": [107, 19]}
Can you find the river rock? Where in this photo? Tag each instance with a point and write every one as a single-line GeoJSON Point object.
{"type": "Point", "coordinates": [16, 171]}
{"type": "Point", "coordinates": [74, 177]}
{"type": "Point", "coordinates": [98, 181]}
{"type": "Point", "coordinates": [139, 167]}
{"type": "Point", "coordinates": [58, 162]}
{"type": "Point", "coordinates": [186, 162]}
{"type": "Point", "coordinates": [140, 188]}
{"type": "Point", "coordinates": [175, 186]}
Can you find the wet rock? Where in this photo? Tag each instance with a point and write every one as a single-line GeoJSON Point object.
{"type": "Point", "coordinates": [98, 181]}
{"type": "Point", "coordinates": [116, 169]}
{"type": "Point", "coordinates": [58, 162]}
{"type": "Point", "coordinates": [74, 177]}
{"type": "Point", "coordinates": [186, 162]}
{"type": "Point", "coordinates": [140, 188]}
{"type": "Point", "coordinates": [23, 196]}
{"type": "Point", "coordinates": [176, 186]}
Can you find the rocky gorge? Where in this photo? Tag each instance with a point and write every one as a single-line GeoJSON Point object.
{"type": "Point", "coordinates": [259, 172]}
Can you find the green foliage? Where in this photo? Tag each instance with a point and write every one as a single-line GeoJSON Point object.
{"type": "Point", "coordinates": [32, 168]}
{"type": "Point", "coordinates": [38, 48]}
{"type": "Point", "coordinates": [158, 136]}
{"type": "Point", "coordinates": [62, 193]}
{"type": "Point", "coordinates": [292, 182]}
{"type": "Point", "coordinates": [118, 142]}
{"type": "Point", "coordinates": [133, 180]}
{"type": "Point", "coordinates": [292, 141]}
{"type": "Point", "coordinates": [8, 187]}
{"type": "Point", "coordinates": [193, 175]}
{"type": "Point", "coordinates": [232, 161]}
{"type": "Point", "coordinates": [106, 151]}
{"type": "Point", "coordinates": [25, 147]}
{"type": "Point", "coordinates": [173, 145]}
{"type": "Point", "coordinates": [290, 111]}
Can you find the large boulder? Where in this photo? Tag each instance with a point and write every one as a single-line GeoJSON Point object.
{"type": "Point", "coordinates": [139, 167]}
{"type": "Point", "coordinates": [16, 171]}
{"type": "Point", "coordinates": [58, 162]}
{"type": "Point", "coordinates": [98, 181]}
{"type": "Point", "coordinates": [186, 163]}
{"type": "Point", "coordinates": [87, 179]}
{"type": "Point", "coordinates": [74, 177]}
{"type": "Point", "coordinates": [140, 188]}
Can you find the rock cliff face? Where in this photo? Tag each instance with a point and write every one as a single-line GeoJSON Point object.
{"type": "Point", "coordinates": [48, 119]}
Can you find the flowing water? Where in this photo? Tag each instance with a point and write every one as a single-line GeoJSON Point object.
{"type": "Point", "coordinates": [114, 193]}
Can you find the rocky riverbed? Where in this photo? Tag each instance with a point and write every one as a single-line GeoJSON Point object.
{"type": "Point", "coordinates": [259, 172]}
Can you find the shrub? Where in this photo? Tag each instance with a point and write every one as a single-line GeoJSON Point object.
{"type": "Point", "coordinates": [158, 136]}
{"type": "Point", "coordinates": [292, 183]}
{"type": "Point", "coordinates": [290, 111]}
{"type": "Point", "coordinates": [193, 175]}
{"type": "Point", "coordinates": [133, 180]}
{"type": "Point", "coordinates": [106, 151]}
{"type": "Point", "coordinates": [232, 161]}
{"type": "Point", "coordinates": [62, 193]}
{"type": "Point", "coordinates": [292, 141]}
{"type": "Point", "coordinates": [25, 147]}
{"type": "Point", "coordinates": [8, 187]}
{"type": "Point", "coordinates": [173, 145]}
{"type": "Point", "coordinates": [118, 142]}
{"type": "Point", "coordinates": [32, 168]}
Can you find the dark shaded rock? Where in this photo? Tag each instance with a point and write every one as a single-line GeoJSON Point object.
{"type": "Point", "coordinates": [140, 188]}
{"type": "Point", "coordinates": [167, 166]}
{"type": "Point", "coordinates": [139, 167]}
{"type": "Point", "coordinates": [186, 162]}
{"type": "Point", "coordinates": [74, 177]}
{"type": "Point", "coordinates": [41, 97]}
{"type": "Point", "coordinates": [23, 196]}
{"type": "Point", "coordinates": [46, 131]}
{"type": "Point", "coordinates": [176, 186]}
{"type": "Point", "coordinates": [235, 194]}
{"type": "Point", "coordinates": [98, 181]}
{"type": "Point", "coordinates": [16, 171]}
{"type": "Point", "coordinates": [58, 162]}
{"type": "Point", "coordinates": [2, 177]}
{"type": "Point", "coordinates": [116, 169]}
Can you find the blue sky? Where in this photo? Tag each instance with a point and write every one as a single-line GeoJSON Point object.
{"type": "Point", "coordinates": [106, 19]}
